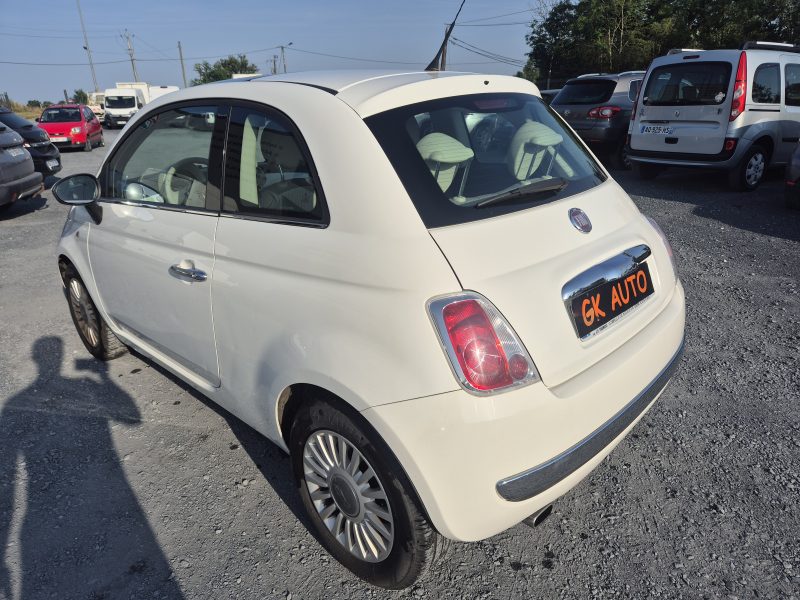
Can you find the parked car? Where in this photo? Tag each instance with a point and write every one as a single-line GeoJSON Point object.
{"type": "Point", "coordinates": [46, 157]}
{"type": "Point", "coordinates": [792, 179]}
{"type": "Point", "coordinates": [548, 95]}
{"type": "Point", "coordinates": [441, 339]}
{"type": "Point", "coordinates": [730, 110]}
{"type": "Point", "coordinates": [72, 126]}
{"type": "Point", "coordinates": [18, 179]}
{"type": "Point", "coordinates": [599, 107]}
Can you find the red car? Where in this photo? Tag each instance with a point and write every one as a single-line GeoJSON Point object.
{"type": "Point", "coordinates": [72, 126]}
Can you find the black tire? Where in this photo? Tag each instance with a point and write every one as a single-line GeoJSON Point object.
{"type": "Point", "coordinates": [102, 141]}
{"type": "Point", "coordinates": [102, 343]}
{"type": "Point", "coordinates": [792, 197]}
{"type": "Point", "coordinates": [87, 147]}
{"type": "Point", "coordinates": [620, 159]}
{"type": "Point", "coordinates": [646, 171]}
{"type": "Point", "coordinates": [749, 173]}
{"type": "Point", "coordinates": [6, 206]}
{"type": "Point", "coordinates": [415, 544]}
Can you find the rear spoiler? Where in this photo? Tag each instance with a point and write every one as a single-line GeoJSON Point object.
{"type": "Point", "coordinates": [780, 46]}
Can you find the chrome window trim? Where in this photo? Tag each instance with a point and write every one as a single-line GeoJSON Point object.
{"type": "Point", "coordinates": [161, 206]}
{"type": "Point", "coordinates": [610, 269]}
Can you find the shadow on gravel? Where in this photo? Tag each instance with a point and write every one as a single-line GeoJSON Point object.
{"type": "Point", "coordinates": [762, 211]}
{"type": "Point", "coordinates": [23, 207]}
{"type": "Point", "coordinates": [79, 530]}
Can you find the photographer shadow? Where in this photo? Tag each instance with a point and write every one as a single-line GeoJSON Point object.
{"type": "Point", "coordinates": [70, 524]}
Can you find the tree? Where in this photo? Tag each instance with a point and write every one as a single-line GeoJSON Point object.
{"type": "Point", "coordinates": [224, 68]}
{"type": "Point", "coordinates": [34, 104]}
{"type": "Point", "coordinates": [46, 103]}
{"type": "Point", "coordinates": [80, 97]}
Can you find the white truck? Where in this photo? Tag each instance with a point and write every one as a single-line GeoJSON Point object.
{"type": "Point", "coordinates": [123, 100]}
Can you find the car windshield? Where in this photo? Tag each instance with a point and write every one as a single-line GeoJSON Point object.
{"type": "Point", "coordinates": [470, 157]}
{"type": "Point", "coordinates": [120, 102]}
{"type": "Point", "coordinates": [14, 121]}
{"type": "Point", "coordinates": [688, 84]}
{"type": "Point", "coordinates": [61, 115]}
{"type": "Point", "coordinates": [586, 91]}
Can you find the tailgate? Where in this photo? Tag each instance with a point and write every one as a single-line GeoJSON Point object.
{"type": "Point", "coordinates": [522, 261]}
{"type": "Point", "coordinates": [684, 108]}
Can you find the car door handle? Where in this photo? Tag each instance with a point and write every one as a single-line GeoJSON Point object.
{"type": "Point", "coordinates": [185, 270]}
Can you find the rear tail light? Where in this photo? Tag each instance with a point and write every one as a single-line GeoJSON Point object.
{"type": "Point", "coordinates": [484, 352]}
{"type": "Point", "coordinates": [739, 88]}
{"type": "Point", "coordinates": [664, 239]}
{"type": "Point", "coordinates": [730, 144]}
{"type": "Point", "coordinates": [604, 112]}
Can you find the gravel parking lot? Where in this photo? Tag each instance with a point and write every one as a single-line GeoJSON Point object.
{"type": "Point", "coordinates": [117, 481]}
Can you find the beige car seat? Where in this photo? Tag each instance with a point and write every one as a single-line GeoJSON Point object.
{"type": "Point", "coordinates": [528, 148]}
{"type": "Point", "coordinates": [443, 155]}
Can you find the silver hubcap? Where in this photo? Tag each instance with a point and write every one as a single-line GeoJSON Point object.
{"type": "Point", "coordinates": [82, 308]}
{"type": "Point", "coordinates": [755, 169]}
{"type": "Point", "coordinates": [348, 496]}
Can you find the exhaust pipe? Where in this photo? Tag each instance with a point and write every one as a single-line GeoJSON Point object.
{"type": "Point", "coordinates": [538, 517]}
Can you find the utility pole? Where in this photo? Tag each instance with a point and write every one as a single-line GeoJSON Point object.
{"type": "Point", "coordinates": [274, 64]}
{"type": "Point", "coordinates": [183, 68]}
{"type": "Point", "coordinates": [444, 49]}
{"type": "Point", "coordinates": [283, 55]}
{"type": "Point", "coordinates": [127, 37]}
{"type": "Point", "coordinates": [86, 47]}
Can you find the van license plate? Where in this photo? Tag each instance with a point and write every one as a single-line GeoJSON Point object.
{"type": "Point", "coordinates": [597, 307]}
{"type": "Point", "coordinates": [657, 129]}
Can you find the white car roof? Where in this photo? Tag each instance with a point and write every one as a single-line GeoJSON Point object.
{"type": "Point", "coordinates": [369, 91]}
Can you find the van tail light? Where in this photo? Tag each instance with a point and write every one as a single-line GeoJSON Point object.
{"type": "Point", "coordinates": [604, 112]}
{"type": "Point", "coordinates": [739, 88]}
{"type": "Point", "coordinates": [484, 352]}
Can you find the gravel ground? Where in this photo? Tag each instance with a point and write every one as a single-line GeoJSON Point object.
{"type": "Point", "coordinates": [119, 482]}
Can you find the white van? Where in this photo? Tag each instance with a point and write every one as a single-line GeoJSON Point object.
{"type": "Point", "coordinates": [731, 110]}
{"type": "Point", "coordinates": [121, 104]}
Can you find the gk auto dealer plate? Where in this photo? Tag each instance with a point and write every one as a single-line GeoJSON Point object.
{"type": "Point", "coordinates": [602, 304]}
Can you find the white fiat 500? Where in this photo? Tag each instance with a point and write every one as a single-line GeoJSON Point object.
{"type": "Point", "coordinates": [445, 333]}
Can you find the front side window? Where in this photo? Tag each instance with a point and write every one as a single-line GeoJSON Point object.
{"type": "Point", "coordinates": [693, 84]}
{"type": "Point", "coordinates": [165, 160]}
{"type": "Point", "coordinates": [88, 114]}
{"type": "Point", "coordinates": [61, 115]}
{"type": "Point", "coordinates": [267, 172]}
{"type": "Point", "coordinates": [767, 84]}
{"type": "Point", "coordinates": [634, 89]}
{"type": "Point", "coordinates": [467, 158]}
{"type": "Point", "coordinates": [120, 102]}
{"type": "Point", "coordinates": [792, 73]}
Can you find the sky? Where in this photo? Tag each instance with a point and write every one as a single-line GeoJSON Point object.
{"type": "Point", "coordinates": [405, 34]}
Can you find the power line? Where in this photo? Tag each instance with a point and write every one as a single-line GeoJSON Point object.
{"type": "Point", "coordinates": [60, 37]}
{"type": "Point", "coordinates": [487, 53]}
{"type": "Point", "coordinates": [519, 12]}
{"type": "Point", "coordinates": [492, 24]}
{"type": "Point", "coordinates": [389, 62]}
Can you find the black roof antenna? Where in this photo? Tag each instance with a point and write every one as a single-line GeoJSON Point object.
{"type": "Point", "coordinates": [436, 63]}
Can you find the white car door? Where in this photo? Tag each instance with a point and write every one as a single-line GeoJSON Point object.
{"type": "Point", "coordinates": [152, 252]}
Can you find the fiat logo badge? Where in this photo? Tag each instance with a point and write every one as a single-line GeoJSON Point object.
{"type": "Point", "coordinates": [580, 220]}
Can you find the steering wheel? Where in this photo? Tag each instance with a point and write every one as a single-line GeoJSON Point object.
{"type": "Point", "coordinates": [186, 168]}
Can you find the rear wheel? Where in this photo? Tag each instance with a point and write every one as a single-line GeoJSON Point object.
{"type": "Point", "coordinates": [646, 170]}
{"type": "Point", "coordinates": [749, 173]}
{"type": "Point", "coordinates": [620, 159]}
{"type": "Point", "coordinates": [360, 503]}
{"type": "Point", "coordinates": [92, 329]}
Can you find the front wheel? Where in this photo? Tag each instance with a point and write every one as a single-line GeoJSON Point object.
{"type": "Point", "coordinates": [87, 147]}
{"type": "Point", "coordinates": [360, 503]}
{"type": "Point", "coordinates": [747, 175]}
{"type": "Point", "coordinates": [99, 340]}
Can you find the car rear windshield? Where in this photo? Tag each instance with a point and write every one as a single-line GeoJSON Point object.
{"type": "Point", "coordinates": [61, 115]}
{"type": "Point", "coordinates": [14, 121]}
{"type": "Point", "coordinates": [120, 102]}
{"type": "Point", "coordinates": [467, 158]}
{"type": "Point", "coordinates": [692, 84]}
{"type": "Point", "coordinates": [586, 91]}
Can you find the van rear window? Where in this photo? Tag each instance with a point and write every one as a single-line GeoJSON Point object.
{"type": "Point", "coordinates": [688, 84]}
{"type": "Point", "coordinates": [586, 91]}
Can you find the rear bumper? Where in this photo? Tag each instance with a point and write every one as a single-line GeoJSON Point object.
{"type": "Point", "coordinates": [20, 188]}
{"type": "Point", "coordinates": [461, 451]}
{"type": "Point", "coordinates": [605, 137]}
{"type": "Point", "coordinates": [722, 161]}
{"type": "Point", "coordinates": [41, 158]}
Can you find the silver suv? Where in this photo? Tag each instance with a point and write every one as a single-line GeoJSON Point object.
{"type": "Point", "coordinates": [598, 107]}
{"type": "Point", "coordinates": [732, 110]}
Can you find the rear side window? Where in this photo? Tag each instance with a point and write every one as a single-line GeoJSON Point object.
{"type": "Point", "coordinates": [634, 89]}
{"type": "Point", "coordinates": [792, 73]}
{"type": "Point", "coordinates": [767, 84]}
{"type": "Point", "coordinates": [692, 84]}
{"type": "Point", "coordinates": [468, 158]}
{"type": "Point", "coordinates": [586, 91]}
{"type": "Point", "coordinates": [268, 173]}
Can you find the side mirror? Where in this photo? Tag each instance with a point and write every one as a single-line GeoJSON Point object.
{"type": "Point", "coordinates": [77, 190]}
{"type": "Point", "coordinates": [140, 105]}
{"type": "Point", "coordinates": [102, 105]}
{"type": "Point", "coordinates": [37, 119]}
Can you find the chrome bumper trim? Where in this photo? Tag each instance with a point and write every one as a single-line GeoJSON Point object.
{"type": "Point", "coordinates": [538, 479]}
